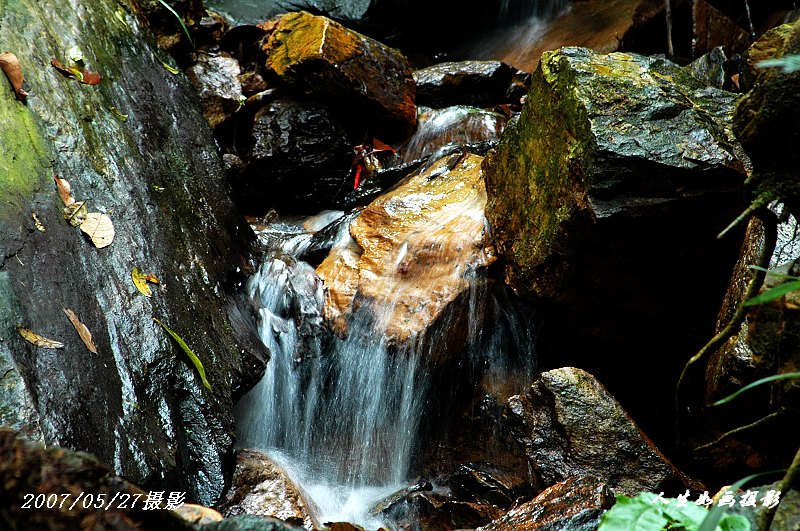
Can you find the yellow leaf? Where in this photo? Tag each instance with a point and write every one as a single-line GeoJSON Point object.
{"type": "Point", "coordinates": [42, 342]}
{"type": "Point", "coordinates": [75, 213]}
{"type": "Point", "coordinates": [140, 280]}
{"type": "Point", "coordinates": [38, 223]}
{"type": "Point", "coordinates": [83, 332]}
{"type": "Point", "coordinates": [99, 228]}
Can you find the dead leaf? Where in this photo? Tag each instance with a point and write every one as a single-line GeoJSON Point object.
{"type": "Point", "coordinates": [42, 342]}
{"type": "Point", "coordinates": [84, 76]}
{"type": "Point", "coordinates": [37, 223]}
{"type": "Point", "coordinates": [83, 332]}
{"type": "Point", "coordinates": [64, 190]}
{"type": "Point", "coordinates": [140, 280]}
{"type": "Point", "coordinates": [118, 114]}
{"type": "Point", "coordinates": [9, 63]}
{"type": "Point", "coordinates": [99, 228]}
{"type": "Point", "coordinates": [76, 213]}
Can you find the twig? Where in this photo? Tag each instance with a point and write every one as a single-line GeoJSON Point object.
{"type": "Point", "coordinates": [668, 10]}
{"type": "Point", "coordinates": [743, 429]}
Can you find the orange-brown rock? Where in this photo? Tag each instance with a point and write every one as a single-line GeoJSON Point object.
{"type": "Point", "coordinates": [321, 57]}
{"type": "Point", "coordinates": [413, 249]}
{"type": "Point", "coordinates": [566, 502]}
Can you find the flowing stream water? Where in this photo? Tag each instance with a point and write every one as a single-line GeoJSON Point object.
{"type": "Point", "coordinates": [342, 414]}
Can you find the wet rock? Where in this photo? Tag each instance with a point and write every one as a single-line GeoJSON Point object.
{"type": "Point", "coordinates": [486, 484]}
{"type": "Point", "coordinates": [198, 514]}
{"type": "Point", "coordinates": [261, 487]}
{"type": "Point", "coordinates": [709, 69]}
{"type": "Point", "coordinates": [388, 502]}
{"type": "Point", "coordinates": [249, 522]}
{"type": "Point", "coordinates": [414, 249]}
{"type": "Point", "coordinates": [476, 83]}
{"type": "Point", "coordinates": [765, 117]}
{"type": "Point", "coordinates": [613, 24]}
{"type": "Point", "coordinates": [620, 170]}
{"type": "Point", "coordinates": [433, 510]}
{"type": "Point", "coordinates": [326, 60]}
{"type": "Point", "coordinates": [715, 28]}
{"type": "Point", "coordinates": [216, 78]}
{"type": "Point", "coordinates": [29, 469]}
{"type": "Point", "coordinates": [138, 404]}
{"type": "Point", "coordinates": [770, 45]}
{"type": "Point", "coordinates": [571, 426]}
{"type": "Point", "coordinates": [299, 159]}
{"type": "Point", "coordinates": [787, 514]}
{"type": "Point", "coordinates": [574, 504]}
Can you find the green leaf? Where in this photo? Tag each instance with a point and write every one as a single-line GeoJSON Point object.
{"type": "Point", "coordinates": [784, 376]}
{"type": "Point", "coordinates": [642, 513]}
{"type": "Point", "coordinates": [789, 63]}
{"type": "Point", "coordinates": [192, 356]}
{"type": "Point", "coordinates": [171, 69]}
{"type": "Point", "coordinates": [734, 522]}
{"type": "Point", "coordinates": [773, 293]}
{"type": "Point", "coordinates": [186, 31]}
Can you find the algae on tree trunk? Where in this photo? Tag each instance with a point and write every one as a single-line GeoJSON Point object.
{"type": "Point", "coordinates": [137, 404]}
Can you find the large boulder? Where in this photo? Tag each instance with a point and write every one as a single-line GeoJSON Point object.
{"type": "Point", "coordinates": [321, 57]}
{"type": "Point", "coordinates": [415, 250]}
{"type": "Point", "coordinates": [478, 83]}
{"type": "Point", "coordinates": [605, 199]}
{"type": "Point", "coordinates": [139, 403]}
{"type": "Point", "coordinates": [570, 426]}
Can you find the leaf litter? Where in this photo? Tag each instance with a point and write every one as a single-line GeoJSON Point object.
{"type": "Point", "coordinates": [35, 339]}
{"type": "Point", "coordinates": [82, 330]}
{"type": "Point", "coordinates": [192, 356]}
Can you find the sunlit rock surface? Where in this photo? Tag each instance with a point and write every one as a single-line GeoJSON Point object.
{"type": "Point", "coordinates": [571, 426]}
{"type": "Point", "coordinates": [261, 487]}
{"type": "Point", "coordinates": [575, 504]}
{"type": "Point", "coordinates": [413, 249]}
{"type": "Point", "coordinates": [342, 67]}
{"type": "Point", "coordinates": [216, 78]}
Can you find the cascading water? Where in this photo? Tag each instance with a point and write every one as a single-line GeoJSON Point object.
{"type": "Point", "coordinates": [342, 414]}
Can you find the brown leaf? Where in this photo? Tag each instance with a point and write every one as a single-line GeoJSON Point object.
{"type": "Point", "coordinates": [12, 69]}
{"type": "Point", "coordinates": [64, 190]}
{"type": "Point", "coordinates": [84, 76]}
{"type": "Point", "coordinates": [83, 332]}
{"type": "Point", "coordinates": [42, 342]}
{"type": "Point", "coordinates": [99, 228]}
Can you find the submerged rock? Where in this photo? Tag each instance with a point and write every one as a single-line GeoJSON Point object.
{"type": "Point", "coordinates": [570, 426]}
{"type": "Point", "coordinates": [261, 487]}
{"type": "Point", "coordinates": [413, 250]}
{"type": "Point", "coordinates": [323, 58]}
{"type": "Point", "coordinates": [575, 504]}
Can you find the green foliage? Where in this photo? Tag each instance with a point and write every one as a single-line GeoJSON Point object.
{"type": "Point", "coordinates": [648, 512]}
{"type": "Point", "coordinates": [185, 30]}
{"type": "Point", "coordinates": [192, 356]}
{"type": "Point", "coordinates": [774, 293]}
{"type": "Point", "coordinates": [789, 63]}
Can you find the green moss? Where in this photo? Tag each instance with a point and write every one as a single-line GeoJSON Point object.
{"type": "Point", "coordinates": [23, 157]}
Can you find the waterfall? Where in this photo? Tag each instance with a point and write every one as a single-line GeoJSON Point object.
{"type": "Point", "coordinates": [512, 11]}
{"type": "Point", "coordinates": [342, 414]}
